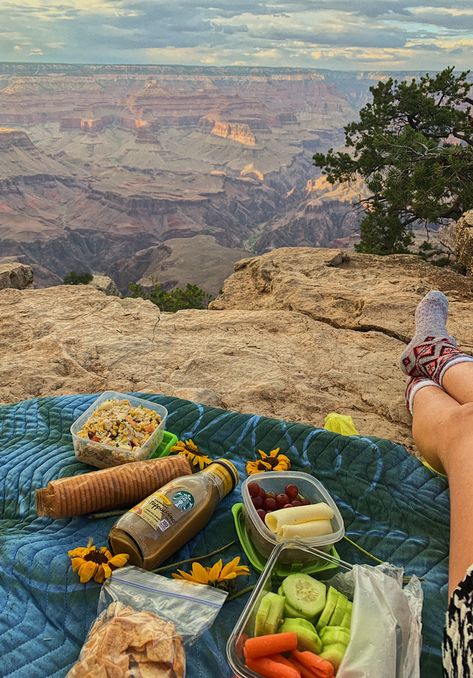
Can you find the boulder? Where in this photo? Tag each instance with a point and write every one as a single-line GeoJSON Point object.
{"type": "Point", "coordinates": [105, 284]}
{"type": "Point", "coordinates": [15, 275]}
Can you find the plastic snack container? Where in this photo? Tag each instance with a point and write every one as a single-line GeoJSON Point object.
{"type": "Point", "coordinates": [275, 481]}
{"type": "Point", "coordinates": [101, 455]}
{"type": "Point", "coordinates": [268, 581]}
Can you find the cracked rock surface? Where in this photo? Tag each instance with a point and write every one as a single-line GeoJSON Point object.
{"type": "Point", "coordinates": [297, 333]}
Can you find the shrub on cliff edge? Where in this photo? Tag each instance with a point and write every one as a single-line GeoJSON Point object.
{"type": "Point", "coordinates": [413, 146]}
{"type": "Point", "coordinates": [190, 296]}
{"type": "Point", "coordinates": [74, 278]}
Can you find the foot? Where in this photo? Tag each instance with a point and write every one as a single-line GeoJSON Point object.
{"type": "Point", "coordinates": [413, 386]}
{"type": "Point", "coordinates": [431, 343]}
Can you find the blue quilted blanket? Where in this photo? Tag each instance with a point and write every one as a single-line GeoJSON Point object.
{"type": "Point", "coordinates": [391, 504]}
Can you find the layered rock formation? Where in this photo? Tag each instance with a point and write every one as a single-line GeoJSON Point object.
{"type": "Point", "coordinates": [297, 333]}
{"type": "Point", "coordinates": [137, 156]}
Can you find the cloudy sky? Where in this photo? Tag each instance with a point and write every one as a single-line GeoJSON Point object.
{"type": "Point", "coordinates": [338, 34]}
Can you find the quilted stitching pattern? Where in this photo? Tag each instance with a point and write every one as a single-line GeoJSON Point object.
{"type": "Point", "coordinates": [391, 504]}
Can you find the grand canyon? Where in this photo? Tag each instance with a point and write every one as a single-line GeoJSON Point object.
{"type": "Point", "coordinates": [169, 174]}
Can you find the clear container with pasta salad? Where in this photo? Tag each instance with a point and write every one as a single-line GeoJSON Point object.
{"type": "Point", "coordinates": [118, 429]}
{"type": "Point", "coordinates": [310, 492]}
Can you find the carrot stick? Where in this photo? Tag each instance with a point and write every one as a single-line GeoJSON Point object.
{"type": "Point", "coordinates": [270, 669]}
{"type": "Point", "coordinates": [282, 660]}
{"type": "Point", "coordinates": [305, 673]}
{"type": "Point", "coordinates": [274, 643]}
{"type": "Point", "coordinates": [319, 667]}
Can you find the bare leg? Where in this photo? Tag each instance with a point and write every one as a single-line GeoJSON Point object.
{"type": "Point", "coordinates": [443, 432]}
{"type": "Point", "coordinates": [458, 382]}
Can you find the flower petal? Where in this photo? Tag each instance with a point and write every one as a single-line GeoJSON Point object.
{"type": "Point", "coordinates": [199, 573]}
{"type": "Point", "coordinates": [106, 552]}
{"type": "Point", "coordinates": [215, 570]}
{"type": "Point", "coordinates": [262, 454]}
{"type": "Point", "coordinates": [119, 560]}
{"type": "Point", "coordinates": [275, 452]}
{"type": "Point", "coordinates": [76, 563]}
{"type": "Point", "coordinates": [229, 567]}
{"type": "Point", "coordinates": [100, 575]}
{"type": "Point", "coordinates": [183, 575]}
{"type": "Point", "coordinates": [87, 571]}
{"type": "Point", "coordinates": [107, 570]}
{"type": "Point", "coordinates": [79, 552]}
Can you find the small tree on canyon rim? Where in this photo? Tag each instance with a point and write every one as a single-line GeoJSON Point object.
{"type": "Point", "coordinates": [413, 147]}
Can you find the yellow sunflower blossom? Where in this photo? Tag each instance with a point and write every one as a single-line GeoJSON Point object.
{"type": "Point", "coordinates": [272, 461]}
{"type": "Point", "coordinates": [218, 575]}
{"type": "Point", "coordinates": [95, 563]}
{"type": "Point", "coordinates": [189, 449]}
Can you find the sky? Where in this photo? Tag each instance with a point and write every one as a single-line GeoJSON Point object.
{"type": "Point", "coordinates": [336, 34]}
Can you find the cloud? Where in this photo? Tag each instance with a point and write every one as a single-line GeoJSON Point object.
{"type": "Point", "coordinates": [343, 34]}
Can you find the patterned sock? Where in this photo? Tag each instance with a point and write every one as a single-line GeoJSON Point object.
{"type": "Point", "coordinates": [432, 351]}
{"type": "Point", "coordinates": [413, 386]}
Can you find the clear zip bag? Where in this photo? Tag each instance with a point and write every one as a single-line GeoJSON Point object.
{"type": "Point", "coordinates": [143, 622]}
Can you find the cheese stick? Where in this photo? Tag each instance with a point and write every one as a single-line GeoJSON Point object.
{"type": "Point", "coordinates": [314, 528]}
{"type": "Point", "coordinates": [297, 515]}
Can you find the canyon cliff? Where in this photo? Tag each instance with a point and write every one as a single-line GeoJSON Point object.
{"type": "Point", "coordinates": [296, 333]}
{"type": "Point", "coordinates": [101, 163]}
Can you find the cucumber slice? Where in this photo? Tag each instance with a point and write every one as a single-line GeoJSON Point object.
{"type": "Point", "coordinates": [327, 612]}
{"type": "Point", "coordinates": [304, 594]}
{"type": "Point", "coordinates": [339, 612]}
{"type": "Point", "coordinates": [332, 635]}
{"type": "Point", "coordinates": [346, 621]}
{"type": "Point", "coordinates": [262, 614]}
{"type": "Point", "coordinates": [334, 654]}
{"type": "Point", "coordinates": [269, 614]}
{"type": "Point", "coordinates": [290, 612]}
{"type": "Point", "coordinates": [307, 636]}
{"type": "Point", "coordinates": [276, 613]}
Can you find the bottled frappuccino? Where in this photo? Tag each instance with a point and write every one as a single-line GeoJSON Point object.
{"type": "Point", "coordinates": [159, 525]}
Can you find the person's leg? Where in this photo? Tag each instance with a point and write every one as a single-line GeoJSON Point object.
{"type": "Point", "coordinates": [443, 433]}
{"type": "Point", "coordinates": [458, 382]}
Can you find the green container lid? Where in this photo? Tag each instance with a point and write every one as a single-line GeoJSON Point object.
{"type": "Point", "coordinates": [258, 562]}
{"type": "Point", "coordinates": [164, 447]}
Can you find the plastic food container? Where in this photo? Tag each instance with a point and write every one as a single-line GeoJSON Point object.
{"type": "Point", "coordinates": [101, 455]}
{"type": "Point", "coordinates": [268, 581]}
{"type": "Point", "coordinates": [263, 539]}
{"type": "Point", "coordinates": [164, 448]}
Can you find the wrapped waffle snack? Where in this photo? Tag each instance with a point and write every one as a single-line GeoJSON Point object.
{"type": "Point", "coordinates": [110, 488]}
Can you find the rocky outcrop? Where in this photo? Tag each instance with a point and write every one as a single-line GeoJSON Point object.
{"type": "Point", "coordinates": [464, 242]}
{"type": "Point", "coordinates": [15, 275]}
{"type": "Point", "coordinates": [297, 333]}
{"type": "Point", "coordinates": [239, 132]}
{"type": "Point", "coordinates": [104, 284]}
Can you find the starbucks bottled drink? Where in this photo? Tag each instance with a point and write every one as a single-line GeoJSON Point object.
{"type": "Point", "coordinates": [162, 523]}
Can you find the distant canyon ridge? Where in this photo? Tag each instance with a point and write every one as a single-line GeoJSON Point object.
{"type": "Point", "coordinates": [149, 173]}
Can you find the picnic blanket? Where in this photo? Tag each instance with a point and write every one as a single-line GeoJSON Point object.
{"type": "Point", "coordinates": [392, 506]}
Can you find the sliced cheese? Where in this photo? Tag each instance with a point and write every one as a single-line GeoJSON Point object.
{"type": "Point", "coordinates": [297, 515]}
{"type": "Point", "coordinates": [314, 528]}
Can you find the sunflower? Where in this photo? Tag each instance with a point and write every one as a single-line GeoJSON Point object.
{"type": "Point", "coordinates": [189, 449]}
{"type": "Point", "coordinates": [218, 575]}
{"type": "Point", "coordinates": [274, 461]}
{"type": "Point", "coordinates": [91, 562]}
